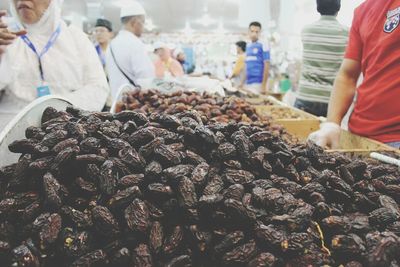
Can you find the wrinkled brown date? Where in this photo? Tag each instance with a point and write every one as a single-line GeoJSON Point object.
{"type": "Point", "coordinates": [104, 222]}
{"type": "Point", "coordinates": [173, 242]}
{"type": "Point", "coordinates": [52, 191]}
{"type": "Point", "coordinates": [241, 254]}
{"type": "Point", "coordinates": [156, 237]}
{"type": "Point", "coordinates": [166, 184]}
{"type": "Point", "coordinates": [137, 216]}
{"type": "Point", "coordinates": [142, 256]}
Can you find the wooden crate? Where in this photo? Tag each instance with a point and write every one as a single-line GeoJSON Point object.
{"type": "Point", "coordinates": [357, 145]}
{"type": "Point", "coordinates": [261, 101]}
{"type": "Point", "coordinates": [278, 96]}
{"type": "Point", "coordinates": [298, 127]}
{"type": "Point", "coordinates": [350, 144]}
{"type": "Point", "coordinates": [280, 112]}
{"type": "Point", "coordinates": [302, 127]}
{"type": "Point", "coordinates": [276, 101]}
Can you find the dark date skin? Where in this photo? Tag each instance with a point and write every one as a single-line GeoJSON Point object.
{"type": "Point", "coordinates": [185, 179]}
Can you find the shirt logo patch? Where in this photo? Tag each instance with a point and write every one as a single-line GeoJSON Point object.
{"type": "Point", "coordinates": [255, 50]}
{"type": "Point", "coordinates": [392, 21]}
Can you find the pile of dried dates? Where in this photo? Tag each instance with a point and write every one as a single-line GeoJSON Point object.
{"type": "Point", "coordinates": [126, 189]}
{"type": "Point", "coordinates": [221, 109]}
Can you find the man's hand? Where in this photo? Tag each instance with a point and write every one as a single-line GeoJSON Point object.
{"type": "Point", "coordinates": [6, 37]}
{"type": "Point", "coordinates": [264, 88]}
{"type": "Point", "coordinates": [327, 136]}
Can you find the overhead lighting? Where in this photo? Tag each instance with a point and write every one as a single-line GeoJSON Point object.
{"type": "Point", "coordinates": [121, 3]}
{"type": "Point", "coordinates": [188, 29]}
{"type": "Point", "coordinates": [220, 29]}
{"type": "Point", "coordinates": [206, 20]}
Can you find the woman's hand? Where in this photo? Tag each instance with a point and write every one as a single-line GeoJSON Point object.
{"type": "Point", "coordinates": [6, 37]}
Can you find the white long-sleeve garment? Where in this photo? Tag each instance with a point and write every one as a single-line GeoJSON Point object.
{"type": "Point", "coordinates": [71, 66]}
{"type": "Point", "coordinates": [132, 57]}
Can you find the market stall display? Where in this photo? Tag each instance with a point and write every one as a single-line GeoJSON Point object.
{"type": "Point", "coordinates": [264, 101]}
{"type": "Point", "coordinates": [296, 122]}
{"type": "Point", "coordinates": [222, 109]}
{"type": "Point", "coordinates": [126, 189]}
{"type": "Point", "coordinates": [284, 113]}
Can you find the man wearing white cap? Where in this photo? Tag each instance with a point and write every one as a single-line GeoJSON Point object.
{"type": "Point", "coordinates": [127, 58]}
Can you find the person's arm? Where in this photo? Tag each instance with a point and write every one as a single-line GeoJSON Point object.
{"type": "Point", "coordinates": [344, 90]}
{"type": "Point", "coordinates": [176, 69]}
{"type": "Point", "coordinates": [93, 94]}
{"type": "Point", "coordinates": [265, 77]}
{"type": "Point", "coordinates": [238, 67]}
{"type": "Point", "coordinates": [340, 102]}
{"type": "Point", "coordinates": [267, 60]}
{"type": "Point", "coordinates": [244, 77]}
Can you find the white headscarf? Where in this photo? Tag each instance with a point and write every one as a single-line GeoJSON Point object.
{"type": "Point", "coordinates": [49, 21]}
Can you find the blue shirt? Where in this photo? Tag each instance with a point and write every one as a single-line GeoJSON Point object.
{"type": "Point", "coordinates": [256, 54]}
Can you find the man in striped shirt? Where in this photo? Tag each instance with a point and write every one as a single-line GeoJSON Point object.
{"type": "Point", "coordinates": [324, 44]}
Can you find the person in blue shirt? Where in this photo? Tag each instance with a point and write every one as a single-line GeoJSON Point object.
{"type": "Point", "coordinates": [104, 33]}
{"type": "Point", "coordinates": [257, 61]}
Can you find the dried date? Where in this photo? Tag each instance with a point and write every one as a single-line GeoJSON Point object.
{"type": "Point", "coordinates": [187, 193]}
{"type": "Point", "coordinates": [23, 256]}
{"type": "Point", "coordinates": [156, 237]}
{"type": "Point", "coordinates": [241, 255]}
{"type": "Point", "coordinates": [137, 216]}
{"type": "Point", "coordinates": [238, 177]}
{"type": "Point", "coordinates": [78, 218]}
{"type": "Point", "coordinates": [52, 191]}
{"type": "Point", "coordinates": [181, 261]}
{"type": "Point", "coordinates": [174, 241]}
{"type": "Point", "coordinates": [93, 258]}
{"type": "Point", "coordinates": [107, 178]}
{"type": "Point", "coordinates": [104, 222]}
{"type": "Point", "coordinates": [264, 259]}
{"type": "Point", "coordinates": [167, 156]}
{"type": "Point", "coordinates": [142, 256]}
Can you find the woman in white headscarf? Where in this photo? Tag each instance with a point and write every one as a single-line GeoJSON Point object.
{"type": "Point", "coordinates": [52, 58]}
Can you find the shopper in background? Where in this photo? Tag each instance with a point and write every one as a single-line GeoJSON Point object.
{"type": "Point", "coordinates": [187, 64]}
{"type": "Point", "coordinates": [324, 45]}
{"type": "Point", "coordinates": [180, 56]}
{"type": "Point", "coordinates": [373, 50]}
{"type": "Point", "coordinates": [127, 59]}
{"type": "Point", "coordinates": [239, 72]}
{"type": "Point", "coordinates": [103, 33]}
{"type": "Point", "coordinates": [165, 65]}
{"type": "Point", "coordinates": [257, 61]}
{"type": "Point", "coordinates": [52, 58]}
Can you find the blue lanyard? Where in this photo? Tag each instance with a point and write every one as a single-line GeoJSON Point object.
{"type": "Point", "coordinates": [49, 44]}
{"type": "Point", "coordinates": [101, 55]}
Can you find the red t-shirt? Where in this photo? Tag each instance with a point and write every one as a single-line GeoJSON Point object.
{"type": "Point", "coordinates": [375, 43]}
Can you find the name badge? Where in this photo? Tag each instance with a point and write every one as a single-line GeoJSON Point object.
{"type": "Point", "coordinates": [43, 90]}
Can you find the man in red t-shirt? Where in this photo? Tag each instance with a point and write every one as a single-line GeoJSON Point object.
{"type": "Point", "coordinates": [374, 51]}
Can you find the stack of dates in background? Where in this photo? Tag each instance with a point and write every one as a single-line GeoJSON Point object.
{"type": "Point", "coordinates": [221, 109]}
{"type": "Point", "coordinates": [125, 189]}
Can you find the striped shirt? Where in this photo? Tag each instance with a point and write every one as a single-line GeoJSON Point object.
{"type": "Point", "coordinates": [324, 44]}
